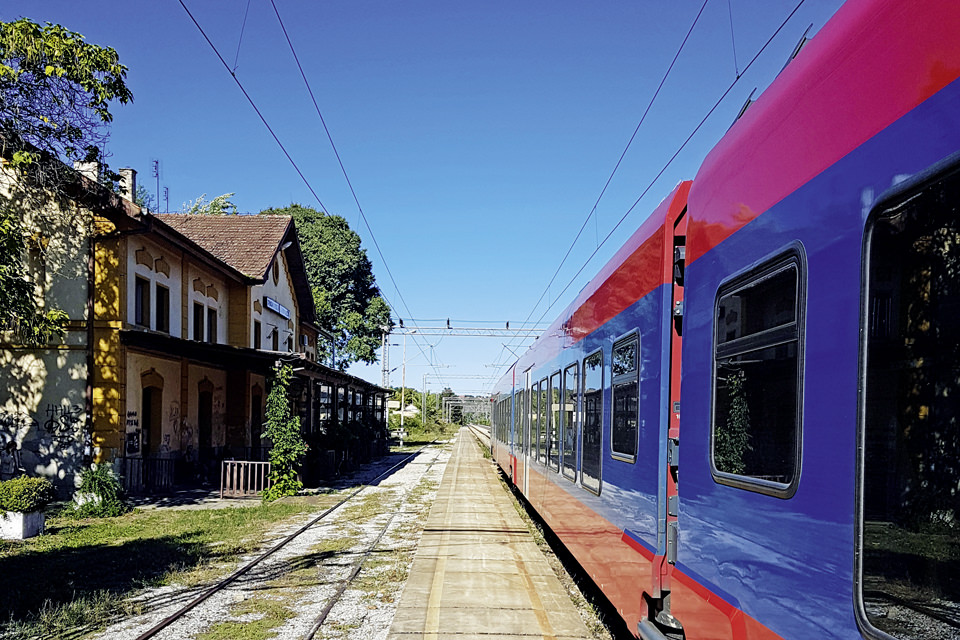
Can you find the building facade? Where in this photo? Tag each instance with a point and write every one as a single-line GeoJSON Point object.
{"type": "Point", "coordinates": [175, 325]}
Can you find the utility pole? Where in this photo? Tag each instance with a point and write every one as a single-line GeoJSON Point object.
{"type": "Point", "coordinates": [385, 382]}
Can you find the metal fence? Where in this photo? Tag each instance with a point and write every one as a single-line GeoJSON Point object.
{"type": "Point", "coordinates": [243, 478]}
{"type": "Point", "coordinates": [147, 475]}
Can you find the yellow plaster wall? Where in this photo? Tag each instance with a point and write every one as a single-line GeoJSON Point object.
{"type": "Point", "coordinates": [109, 366]}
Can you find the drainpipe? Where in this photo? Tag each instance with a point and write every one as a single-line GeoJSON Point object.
{"type": "Point", "coordinates": [88, 395]}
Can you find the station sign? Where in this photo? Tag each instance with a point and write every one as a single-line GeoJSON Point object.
{"type": "Point", "coordinates": [276, 307]}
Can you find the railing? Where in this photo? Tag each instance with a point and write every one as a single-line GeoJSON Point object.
{"type": "Point", "coordinates": [147, 475]}
{"type": "Point", "coordinates": [243, 478]}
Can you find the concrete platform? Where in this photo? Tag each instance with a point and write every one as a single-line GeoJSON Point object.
{"type": "Point", "coordinates": [477, 572]}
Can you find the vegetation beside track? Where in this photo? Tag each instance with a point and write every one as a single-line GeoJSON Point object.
{"type": "Point", "coordinates": [76, 578]}
{"type": "Point", "coordinates": [419, 435]}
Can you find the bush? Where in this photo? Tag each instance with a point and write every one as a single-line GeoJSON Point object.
{"type": "Point", "coordinates": [25, 494]}
{"type": "Point", "coordinates": [100, 494]}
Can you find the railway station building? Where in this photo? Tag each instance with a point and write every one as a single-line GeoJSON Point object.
{"type": "Point", "coordinates": [175, 324]}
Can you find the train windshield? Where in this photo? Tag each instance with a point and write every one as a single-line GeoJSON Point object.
{"type": "Point", "coordinates": [910, 545]}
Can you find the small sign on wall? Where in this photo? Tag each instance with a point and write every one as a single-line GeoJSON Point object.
{"type": "Point", "coordinates": [276, 307]}
{"type": "Point", "coordinates": [133, 442]}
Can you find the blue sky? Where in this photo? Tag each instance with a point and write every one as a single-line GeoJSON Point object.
{"type": "Point", "coordinates": [477, 135]}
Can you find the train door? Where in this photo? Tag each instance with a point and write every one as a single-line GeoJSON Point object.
{"type": "Point", "coordinates": [909, 435]}
{"type": "Point", "coordinates": [528, 436]}
{"type": "Point", "coordinates": [659, 616]}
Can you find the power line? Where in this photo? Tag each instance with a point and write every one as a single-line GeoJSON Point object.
{"type": "Point", "coordinates": [253, 104]}
{"type": "Point", "coordinates": [343, 169]}
{"type": "Point", "coordinates": [674, 156]}
{"type": "Point", "coordinates": [622, 155]}
{"type": "Point", "coordinates": [286, 153]}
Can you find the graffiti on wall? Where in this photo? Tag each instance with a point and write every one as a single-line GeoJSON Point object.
{"type": "Point", "coordinates": [133, 433]}
{"type": "Point", "coordinates": [64, 423]}
{"type": "Point", "coordinates": [173, 417]}
{"type": "Point", "coordinates": [14, 425]}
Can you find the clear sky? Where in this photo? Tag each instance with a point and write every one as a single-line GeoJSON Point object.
{"type": "Point", "coordinates": [477, 135]}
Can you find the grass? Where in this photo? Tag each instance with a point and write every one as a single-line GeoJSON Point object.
{"type": "Point", "coordinates": [417, 435]}
{"type": "Point", "coordinates": [369, 507]}
{"type": "Point", "coordinates": [77, 576]}
{"type": "Point", "coordinates": [270, 615]}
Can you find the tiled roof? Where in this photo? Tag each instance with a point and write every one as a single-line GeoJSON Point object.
{"type": "Point", "coordinates": [246, 243]}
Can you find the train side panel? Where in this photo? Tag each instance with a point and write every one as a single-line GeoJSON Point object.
{"type": "Point", "coordinates": [787, 558]}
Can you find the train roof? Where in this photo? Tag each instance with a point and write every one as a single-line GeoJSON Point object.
{"type": "Point", "coordinates": [873, 62]}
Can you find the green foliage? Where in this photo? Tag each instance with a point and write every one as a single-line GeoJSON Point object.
{"type": "Point", "coordinates": [55, 91]}
{"type": "Point", "coordinates": [348, 302]}
{"type": "Point", "coordinates": [143, 198]}
{"type": "Point", "coordinates": [24, 494]}
{"type": "Point", "coordinates": [733, 440]}
{"type": "Point", "coordinates": [283, 430]}
{"type": "Point", "coordinates": [18, 306]}
{"type": "Point", "coordinates": [103, 492]}
{"type": "Point", "coordinates": [219, 206]}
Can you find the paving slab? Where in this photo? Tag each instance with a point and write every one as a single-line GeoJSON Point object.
{"type": "Point", "coordinates": [477, 572]}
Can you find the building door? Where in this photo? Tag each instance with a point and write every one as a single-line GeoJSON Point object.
{"type": "Point", "coordinates": [205, 417]}
{"type": "Point", "coordinates": [256, 422]}
{"type": "Point", "coordinates": [151, 420]}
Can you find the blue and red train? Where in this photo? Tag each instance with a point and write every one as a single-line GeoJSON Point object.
{"type": "Point", "coordinates": [748, 424]}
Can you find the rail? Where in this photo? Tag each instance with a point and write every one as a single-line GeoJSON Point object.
{"type": "Point", "coordinates": [173, 617]}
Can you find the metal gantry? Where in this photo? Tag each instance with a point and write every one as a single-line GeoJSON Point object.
{"type": "Point", "coordinates": [468, 404]}
{"type": "Point", "coordinates": [448, 330]}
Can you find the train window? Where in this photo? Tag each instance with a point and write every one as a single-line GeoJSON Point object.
{"type": "Point", "coordinates": [626, 395]}
{"type": "Point", "coordinates": [554, 421]}
{"type": "Point", "coordinates": [592, 442]}
{"type": "Point", "coordinates": [569, 422]}
{"type": "Point", "coordinates": [757, 374]}
{"type": "Point", "coordinates": [543, 446]}
{"type": "Point", "coordinates": [535, 419]}
{"type": "Point", "coordinates": [909, 542]}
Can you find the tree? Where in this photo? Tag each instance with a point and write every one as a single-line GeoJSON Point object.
{"type": "Point", "coordinates": [55, 92]}
{"type": "Point", "coordinates": [349, 304]}
{"type": "Point", "coordinates": [219, 206]}
{"type": "Point", "coordinates": [144, 199]}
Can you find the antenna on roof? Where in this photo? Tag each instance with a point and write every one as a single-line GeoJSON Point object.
{"type": "Point", "coordinates": [156, 174]}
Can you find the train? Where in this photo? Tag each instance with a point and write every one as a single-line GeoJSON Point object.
{"type": "Point", "coordinates": [747, 424]}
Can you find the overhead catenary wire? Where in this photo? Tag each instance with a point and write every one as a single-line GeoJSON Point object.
{"type": "Point", "coordinates": [243, 27]}
{"type": "Point", "coordinates": [673, 157]}
{"type": "Point", "coordinates": [254, 105]}
{"type": "Point", "coordinates": [276, 139]}
{"type": "Point", "coordinates": [616, 168]}
{"type": "Point", "coordinates": [343, 168]}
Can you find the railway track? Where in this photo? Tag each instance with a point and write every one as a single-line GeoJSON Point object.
{"type": "Point", "coordinates": [481, 432]}
{"type": "Point", "coordinates": [344, 584]}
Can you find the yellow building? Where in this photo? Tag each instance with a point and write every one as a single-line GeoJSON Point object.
{"type": "Point", "coordinates": [175, 324]}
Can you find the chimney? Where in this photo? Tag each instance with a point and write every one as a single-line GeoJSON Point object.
{"type": "Point", "coordinates": [128, 183]}
{"type": "Point", "coordinates": [89, 169]}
